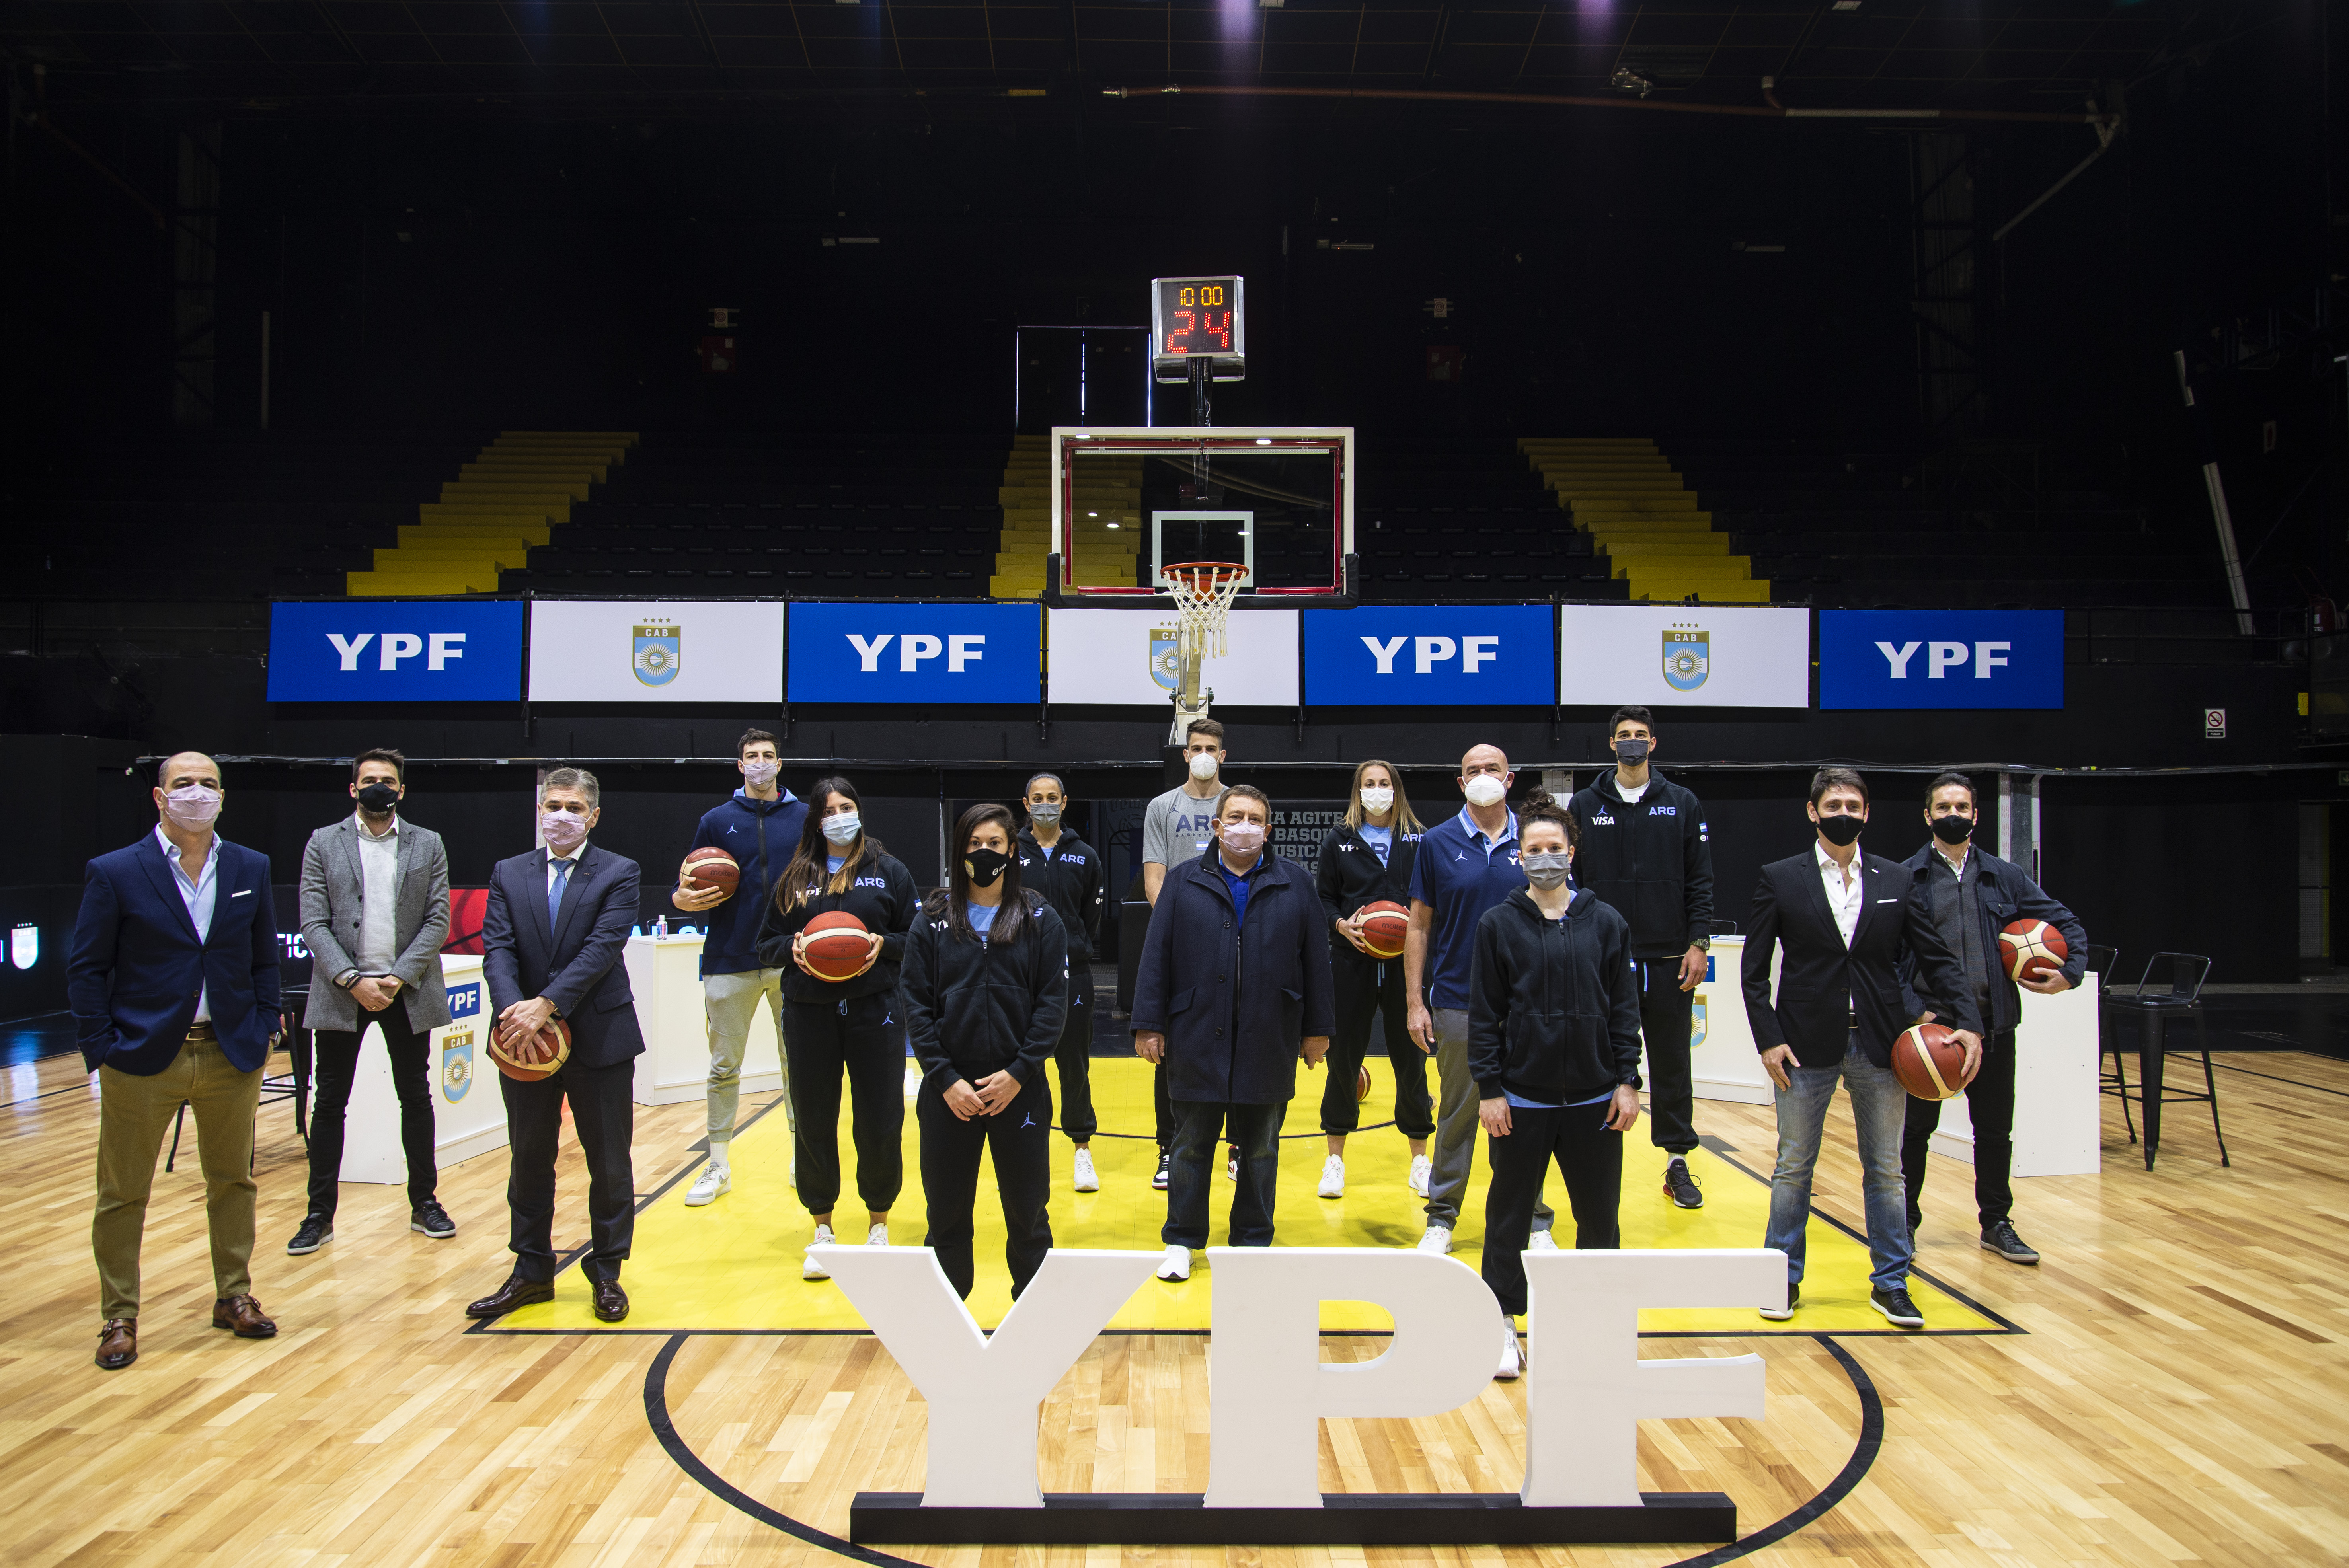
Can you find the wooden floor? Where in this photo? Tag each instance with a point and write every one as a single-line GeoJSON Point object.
{"type": "Point", "coordinates": [2178, 1392]}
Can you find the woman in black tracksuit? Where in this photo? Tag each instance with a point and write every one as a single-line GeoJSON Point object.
{"type": "Point", "coordinates": [1366, 859]}
{"type": "Point", "coordinates": [1068, 872]}
{"type": "Point", "coordinates": [832, 1026]}
{"type": "Point", "coordinates": [1554, 1046]}
{"type": "Point", "coordinates": [984, 989]}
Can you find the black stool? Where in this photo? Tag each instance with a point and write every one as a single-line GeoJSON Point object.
{"type": "Point", "coordinates": [293, 1085]}
{"type": "Point", "coordinates": [2185, 972]}
{"type": "Point", "coordinates": [2100, 962]}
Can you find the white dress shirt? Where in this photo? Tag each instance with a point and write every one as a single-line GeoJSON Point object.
{"type": "Point", "coordinates": [570, 860]}
{"type": "Point", "coordinates": [1844, 897]}
{"type": "Point", "coordinates": [198, 894]}
{"type": "Point", "coordinates": [378, 896]}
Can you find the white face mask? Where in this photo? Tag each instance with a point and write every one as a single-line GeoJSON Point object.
{"type": "Point", "coordinates": [842, 829]}
{"type": "Point", "coordinates": [563, 830]}
{"type": "Point", "coordinates": [1243, 838]}
{"type": "Point", "coordinates": [1484, 790]}
{"type": "Point", "coordinates": [193, 805]}
{"type": "Point", "coordinates": [1378, 802]}
{"type": "Point", "coordinates": [1203, 765]}
{"type": "Point", "coordinates": [759, 774]}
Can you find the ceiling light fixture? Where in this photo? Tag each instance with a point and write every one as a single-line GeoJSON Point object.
{"type": "Point", "coordinates": [1627, 81]}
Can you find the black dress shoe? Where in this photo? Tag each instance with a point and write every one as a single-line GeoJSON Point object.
{"type": "Point", "coordinates": [516, 1292]}
{"type": "Point", "coordinates": [611, 1301]}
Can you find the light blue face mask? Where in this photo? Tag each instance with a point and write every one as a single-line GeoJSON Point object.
{"type": "Point", "coordinates": [844, 829]}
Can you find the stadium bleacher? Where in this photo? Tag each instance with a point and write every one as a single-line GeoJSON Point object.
{"type": "Point", "coordinates": [1467, 518]}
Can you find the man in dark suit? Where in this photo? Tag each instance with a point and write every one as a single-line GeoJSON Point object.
{"type": "Point", "coordinates": [1847, 923]}
{"type": "Point", "coordinates": [173, 983]}
{"type": "Point", "coordinates": [551, 945]}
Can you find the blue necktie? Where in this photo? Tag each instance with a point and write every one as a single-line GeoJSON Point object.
{"type": "Point", "coordinates": [554, 894]}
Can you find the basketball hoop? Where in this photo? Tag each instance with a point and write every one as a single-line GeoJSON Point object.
{"type": "Point", "coordinates": [1203, 592]}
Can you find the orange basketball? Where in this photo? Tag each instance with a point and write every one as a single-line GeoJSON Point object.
{"type": "Point", "coordinates": [2032, 948]}
{"type": "Point", "coordinates": [1384, 925]}
{"type": "Point", "coordinates": [836, 945]}
{"type": "Point", "coordinates": [532, 1058]}
{"type": "Point", "coordinates": [1929, 1061]}
{"type": "Point", "coordinates": [1362, 1085]}
{"type": "Point", "coordinates": [711, 867]}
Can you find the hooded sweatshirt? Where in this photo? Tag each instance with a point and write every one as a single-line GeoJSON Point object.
{"type": "Point", "coordinates": [1553, 1005]}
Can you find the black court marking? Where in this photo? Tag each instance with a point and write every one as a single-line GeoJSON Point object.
{"type": "Point", "coordinates": [1864, 1451]}
{"type": "Point", "coordinates": [2231, 1068]}
{"type": "Point", "coordinates": [1152, 1138]}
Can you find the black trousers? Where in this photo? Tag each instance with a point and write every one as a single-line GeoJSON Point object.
{"type": "Point", "coordinates": [1665, 1011]}
{"type": "Point", "coordinates": [1588, 1156]}
{"type": "Point", "coordinates": [1367, 987]}
{"type": "Point", "coordinates": [337, 1065]}
{"type": "Point", "coordinates": [1990, 1100]}
{"type": "Point", "coordinates": [860, 1036]}
{"type": "Point", "coordinates": [1168, 1120]}
{"type": "Point", "coordinates": [1072, 1058]}
{"type": "Point", "coordinates": [1191, 1177]}
{"type": "Point", "coordinates": [1019, 1137]}
{"type": "Point", "coordinates": [605, 1114]}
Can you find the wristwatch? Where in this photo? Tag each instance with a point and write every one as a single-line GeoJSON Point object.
{"type": "Point", "coordinates": [1702, 944]}
{"type": "Point", "coordinates": [348, 977]}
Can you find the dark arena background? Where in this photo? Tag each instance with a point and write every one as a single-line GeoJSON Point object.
{"type": "Point", "coordinates": [1898, 318]}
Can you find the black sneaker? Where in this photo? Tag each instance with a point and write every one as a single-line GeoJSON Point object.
{"type": "Point", "coordinates": [316, 1230]}
{"type": "Point", "coordinates": [1164, 1161]}
{"type": "Point", "coordinates": [1896, 1308]}
{"type": "Point", "coordinates": [1680, 1186]}
{"type": "Point", "coordinates": [2001, 1238]}
{"type": "Point", "coordinates": [433, 1219]}
{"type": "Point", "coordinates": [1916, 1218]}
{"type": "Point", "coordinates": [1780, 1314]}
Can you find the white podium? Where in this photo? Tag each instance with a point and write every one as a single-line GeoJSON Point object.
{"type": "Point", "coordinates": [664, 972]}
{"type": "Point", "coordinates": [469, 1114]}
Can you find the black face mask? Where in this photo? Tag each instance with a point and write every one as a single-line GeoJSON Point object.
{"type": "Point", "coordinates": [984, 866]}
{"type": "Point", "coordinates": [378, 799]}
{"type": "Point", "coordinates": [1954, 829]}
{"type": "Point", "coordinates": [1839, 830]}
{"type": "Point", "coordinates": [1631, 753]}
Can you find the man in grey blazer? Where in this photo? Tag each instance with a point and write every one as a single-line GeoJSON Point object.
{"type": "Point", "coordinates": [374, 909]}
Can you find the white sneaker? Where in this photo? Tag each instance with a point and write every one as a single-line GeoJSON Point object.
{"type": "Point", "coordinates": [1333, 1177]}
{"type": "Point", "coordinates": [1232, 1167]}
{"type": "Point", "coordinates": [716, 1180]}
{"type": "Point", "coordinates": [1438, 1240]}
{"type": "Point", "coordinates": [878, 1236]}
{"type": "Point", "coordinates": [1541, 1242]}
{"type": "Point", "coordinates": [1512, 1361]}
{"type": "Point", "coordinates": [1176, 1263]}
{"type": "Point", "coordinates": [1087, 1182]}
{"type": "Point", "coordinates": [1420, 1171]}
{"type": "Point", "coordinates": [810, 1268]}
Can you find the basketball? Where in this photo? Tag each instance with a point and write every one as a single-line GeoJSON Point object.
{"type": "Point", "coordinates": [1384, 925]}
{"type": "Point", "coordinates": [836, 945]}
{"type": "Point", "coordinates": [1362, 1085]}
{"type": "Point", "coordinates": [2032, 948]}
{"type": "Point", "coordinates": [533, 1058]}
{"type": "Point", "coordinates": [711, 867]}
{"type": "Point", "coordinates": [1929, 1061]}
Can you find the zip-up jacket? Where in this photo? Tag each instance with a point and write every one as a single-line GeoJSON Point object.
{"type": "Point", "coordinates": [1553, 1005]}
{"type": "Point", "coordinates": [2004, 893]}
{"type": "Point", "coordinates": [1349, 875]}
{"type": "Point", "coordinates": [881, 896]}
{"type": "Point", "coordinates": [974, 1008]}
{"type": "Point", "coordinates": [1070, 877]}
{"type": "Point", "coordinates": [760, 835]}
{"type": "Point", "coordinates": [1651, 861]}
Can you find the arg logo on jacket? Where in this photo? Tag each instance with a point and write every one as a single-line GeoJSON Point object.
{"type": "Point", "coordinates": [658, 653]}
{"type": "Point", "coordinates": [1688, 658]}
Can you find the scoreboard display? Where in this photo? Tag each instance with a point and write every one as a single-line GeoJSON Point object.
{"type": "Point", "coordinates": [1195, 319]}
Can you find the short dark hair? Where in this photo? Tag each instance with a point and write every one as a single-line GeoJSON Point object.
{"type": "Point", "coordinates": [1029, 787]}
{"type": "Point", "coordinates": [1246, 792]}
{"type": "Point", "coordinates": [380, 754]}
{"type": "Point", "coordinates": [1633, 712]}
{"type": "Point", "coordinates": [1827, 778]}
{"type": "Point", "coordinates": [1211, 727]}
{"type": "Point", "coordinates": [751, 738]}
{"type": "Point", "coordinates": [1540, 806]}
{"type": "Point", "coordinates": [1944, 780]}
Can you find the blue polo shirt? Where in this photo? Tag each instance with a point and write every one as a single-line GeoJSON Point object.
{"type": "Point", "coordinates": [1460, 873]}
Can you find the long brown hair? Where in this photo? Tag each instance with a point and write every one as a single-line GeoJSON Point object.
{"type": "Point", "coordinates": [810, 860]}
{"type": "Point", "coordinates": [953, 900]}
{"type": "Point", "coordinates": [1404, 820]}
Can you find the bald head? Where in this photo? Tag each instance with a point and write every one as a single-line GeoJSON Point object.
{"type": "Point", "coordinates": [1483, 759]}
{"type": "Point", "coordinates": [183, 769]}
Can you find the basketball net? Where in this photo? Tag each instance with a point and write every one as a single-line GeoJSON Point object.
{"type": "Point", "coordinates": [1203, 592]}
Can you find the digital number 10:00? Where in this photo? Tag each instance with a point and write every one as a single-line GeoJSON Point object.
{"type": "Point", "coordinates": [1210, 294]}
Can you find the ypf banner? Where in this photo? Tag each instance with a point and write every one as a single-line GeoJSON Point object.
{"type": "Point", "coordinates": [1685, 656]}
{"type": "Point", "coordinates": [681, 651]}
{"type": "Point", "coordinates": [914, 653]}
{"type": "Point", "coordinates": [395, 650]}
{"type": "Point", "coordinates": [1128, 658]}
{"type": "Point", "coordinates": [1940, 658]}
{"type": "Point", "coordinates": [1430, 656]}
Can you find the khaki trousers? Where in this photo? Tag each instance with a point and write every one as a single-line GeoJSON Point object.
{"type": "Point", "coordinates": [134, 1118]}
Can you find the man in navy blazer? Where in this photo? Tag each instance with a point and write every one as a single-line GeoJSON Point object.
{"type": "Point", "coordinates": [172, 980]}
{"type": "Point", "coordinates": [552, 938]}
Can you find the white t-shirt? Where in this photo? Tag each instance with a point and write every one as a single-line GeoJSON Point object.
{"type": "Point", "coordinates": [1630, 796]}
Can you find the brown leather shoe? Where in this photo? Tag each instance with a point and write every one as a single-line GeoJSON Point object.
{"type": "Point", "coordinates": [242, 1315]}
{"type": "Point", "coordinates": [516, 1292]}
{"type": "Point", "coordinates": [118, 1344]}
{"type": "Point", "coordinates": [611, 1301]}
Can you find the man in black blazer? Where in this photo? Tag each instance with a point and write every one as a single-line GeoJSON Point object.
{"type": "Point", "coordinates": [551, 945]}
{"type": "Point", "coordinates": [1848, 922]}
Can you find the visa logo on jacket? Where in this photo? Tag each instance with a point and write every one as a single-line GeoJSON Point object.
{"type": "Point", "coordinates": [1454, 656]}
{"type": "Point", "coordinates": [1941, 658]}
{"type": "Point", "coordinates": [391, 650]}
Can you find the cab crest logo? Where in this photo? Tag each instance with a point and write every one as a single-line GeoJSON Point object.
{"type": "Point", "coordinates": [1165, 658]}
{"type": "Point", "coordinates": [1696, 1024]}
{"type": "Point", "coordinates": [456, 1065]}
{"type": "Point", "coordinates": [659, 654]}
{"type": "Point", "coordinates": [1688, 658]}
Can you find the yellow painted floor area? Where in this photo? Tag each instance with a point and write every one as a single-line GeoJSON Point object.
{"type": "Point", "coordinates": [734, 1264]}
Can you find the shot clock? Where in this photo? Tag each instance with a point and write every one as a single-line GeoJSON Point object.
{"type": "Point", "coordinates": [1196, 318]}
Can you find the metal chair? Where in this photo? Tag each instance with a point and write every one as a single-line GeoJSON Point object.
{"type": "Point", "coordinates": [293, 1084]}
{"type": "Point", "coordinates": [2185, 974]}
{"type": "Point", "coordinates": [2100, 961]}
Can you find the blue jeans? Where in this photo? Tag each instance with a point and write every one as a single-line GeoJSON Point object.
{"type": "Point", "coordinates": [1191, 1173]}
{"type": "Point", "coordinates": [1879, 1110]}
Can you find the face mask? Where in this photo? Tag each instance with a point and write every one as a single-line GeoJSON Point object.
{"type": "Point", "coordinates": [563, 830]}
{"type": "Point", "coordinates": [1378, 802]}
{"type": "Point", "coordinates": [1044, 811]}
{"type": "Point", "coordinates": [1840, 831]}
{"type": "Point", "coordinates": [1244, 838]}
{"type": "Point", "coordinates": [1954, 829]}
{"type": "Point", "coordinates": [377, 798]}
{"type": "Point", "coordinates": [1483, 789]}
{"type": "Point", "coordinates": [193, 805]}
{"type": "Point", "coordinates": [1203, 765]}
{"type": "Point", "coordinates": [1546, 869]}
{"type": "Point", "coordinates": [1631, 753]}
{"type": "Point", "coordinates": [983, 866]}
{"type": "Point", "coordinates": [761, 775]}
{"type": "Point", "coordinates": [844, 829]}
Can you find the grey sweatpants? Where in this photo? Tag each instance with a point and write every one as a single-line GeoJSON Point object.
{"type": "Point", "coordinates": [1455, 1145]}
{"type": "Point", "coordinates": [729, 1003]}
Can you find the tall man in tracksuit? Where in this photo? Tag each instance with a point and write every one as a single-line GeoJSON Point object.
{"type": "Point", "coordinates": [759, 826]}
{"type": "Point", "coordinates": [1645, 852]}
{"type": "Point", "coordinates": [1972, 894]}
{"type": "Point", "coordinates": [1067, 871]}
